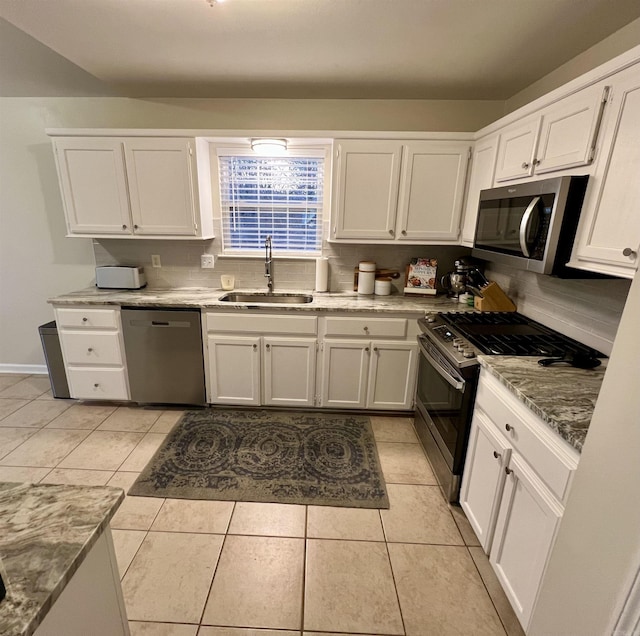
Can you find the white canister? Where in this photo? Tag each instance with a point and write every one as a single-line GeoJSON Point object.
{"type": "Point", "coordinates": [366, 277]}
{"type": "Point", "coordinates": [382, 286]}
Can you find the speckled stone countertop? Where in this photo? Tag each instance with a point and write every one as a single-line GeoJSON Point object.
{"type": "Point", "coordinates": [46, 531]}
{"type": "Point", "coordinates": [208, 298]}
{"type": "Point", "coordinates": [564, 397]}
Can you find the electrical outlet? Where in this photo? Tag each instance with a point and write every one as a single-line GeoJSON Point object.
{"type": "Point", "coordinates": [206, 261]}
{"type": "Point", "coordinates": [155, 260]}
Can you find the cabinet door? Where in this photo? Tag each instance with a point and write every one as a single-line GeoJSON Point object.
{"type": "Point", "coordinates": [94, 185]}
{"type": "Point", "coordinates": [345, 365]}
{"type": "Point", "coordinates": [483, 165]}
{"type": "Point", "coordinates": [392, 376]}
{"type": "Point", "coordinates": [160, 173]}
{"type": "Point", "coordinates": [483, 479]}
{"type": "Point", "coordinates": [568, 131]}
{"type": "Point", "coordinates": [608, 238]}
{"type": "Point", "coordinates": [366, 178]}
{"type": "Point", "coordinates": [234, 369]}
{"type": "Point", "coordinates": [516, 150]}
{"type": "Point", "coordinates": [432, 190]}
{"type": "Point", "coordinates": [524, 535]}
{"type": "Point", "coordinates": [289, 371]}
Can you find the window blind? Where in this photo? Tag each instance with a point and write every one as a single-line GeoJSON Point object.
{"type": "Point", "coordinates": [281, 197]}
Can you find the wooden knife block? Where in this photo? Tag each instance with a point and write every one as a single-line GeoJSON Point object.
{"type": "Point", "coordinates": [493, 299]}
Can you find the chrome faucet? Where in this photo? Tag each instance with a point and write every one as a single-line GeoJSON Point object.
{"type": "Point", "coordinates": [267, 263]}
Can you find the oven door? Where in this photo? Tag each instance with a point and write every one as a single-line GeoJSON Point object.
{"type": "Point", "coordinates": [444, 397]}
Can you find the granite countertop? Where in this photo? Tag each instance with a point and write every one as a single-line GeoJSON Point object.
{"type": "Point", "coordinates": [208, 298]}
{"type": "Point", "coordinates": [563, 396]}
{"type": "Point", "coordinates": [46, 531]}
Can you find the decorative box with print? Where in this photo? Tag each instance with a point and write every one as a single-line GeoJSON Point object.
{"type": "Point", "coordinates": [421, 276]}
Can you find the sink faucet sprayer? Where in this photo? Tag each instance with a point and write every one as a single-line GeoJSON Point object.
{"type": "Point", "coordinates": [267, 263]}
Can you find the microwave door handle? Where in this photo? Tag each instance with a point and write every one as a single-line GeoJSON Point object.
{"type": "Point", "coordinates": [454, 382]}
{"type": "Point", "coordinates": [524, 225]}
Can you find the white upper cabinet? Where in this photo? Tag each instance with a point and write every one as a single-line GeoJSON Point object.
{"type": "Point", "coordinates": [608, 237]}
{"type": "Point", "coordinates": [562, 136]}
{"type": "Point", "coordinates": [483, 165]}
{"type": "Point", "coordinates": [387, 190]}
{"type": "Point", "coordinates": [138, 187]}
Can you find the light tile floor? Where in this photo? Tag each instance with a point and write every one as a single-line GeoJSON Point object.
{"type": "Point", "coordinates": [215, 568]}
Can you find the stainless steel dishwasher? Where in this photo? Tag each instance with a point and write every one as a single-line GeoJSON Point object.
{"type": "Point", "coordinates": [164, 355]}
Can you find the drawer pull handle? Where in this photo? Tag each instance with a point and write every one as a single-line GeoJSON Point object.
{"type": "Point", "coordinates": [96, 385]}
{"type": "Point", "coordinates": [84, 319]}
{"type": "Point", "coordinates": [497, 455]}
{"type": "Point", "coordinates": [507, 470]}
{"type": "Point", "coordinates": [90, 349]}
{"type": "Point", "coordinates": [508, 427]}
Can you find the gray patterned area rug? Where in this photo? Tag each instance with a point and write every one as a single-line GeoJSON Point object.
{"type": "Point", "coordinates": [267, 456]}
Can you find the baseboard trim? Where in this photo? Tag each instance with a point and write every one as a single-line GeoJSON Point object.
{"type": "Point", "coordinates": [28, 369]}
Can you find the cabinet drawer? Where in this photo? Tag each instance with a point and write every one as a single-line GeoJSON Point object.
{"type": "Point", "coordinates": [548, 454]}
{"type": "Point", "coordinates": [367, 327]}
{"type": "Point", "coordinates": [95, 318]}
{"type": "Point", "coordinates": [87, 383]}
{"type": "Point", "coordinates": [92, 347]}
{"type": "Point", "coordinates": [262, 323]}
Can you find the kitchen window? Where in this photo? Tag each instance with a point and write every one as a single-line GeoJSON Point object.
{"type": "Point", "coordinates": [278, 196]}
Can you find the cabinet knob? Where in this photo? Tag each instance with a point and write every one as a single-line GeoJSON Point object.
{"type": "Point", "coordinates": [497, 455]}
{"type": "Point", "coordinates": [255, 347]}
{"type": "Point", "coordinates": [366, 328]}
{"type": "Point", "coordinates": [627, 251]}
{"type": "Point", "coordinates": [84, 319]}
{"type": "Point", "coordinates": [391, 232]}
{"type": "Point", "coordinates": [366, 348]}
{"type": "Point", "coordinates": [135, 227]}
{"type": "Point", "coordinates": [525, 164]}
{"type": "Point", "coordinates": [96, 385]}
{"type": "Point", "coordinates": [268, 347]}
{"type": "Point", "coordinates": [375, 348]}
{"type": "Point", "coordinates": [507, 470]}
{"type": "Point", "coordinates": [508, 427]}
{"type": "Point", "coordinates": [404, 232]}
{"type": "Point", "coordinates": [537, 162]}
{"type": "Point", "coordinates": [124, 227]}
{"type": "Point", "coordinates": [90, 349]}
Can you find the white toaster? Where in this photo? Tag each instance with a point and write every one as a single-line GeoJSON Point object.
{"type": "Point", "coordinates": [120, 277]}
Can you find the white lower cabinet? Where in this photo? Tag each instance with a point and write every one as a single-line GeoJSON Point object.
{"type": "Point", "coordinates": [247, 364]}
{"type": "Point", "coordinates": [516, 479]}
{"type": "Point", "coordinates": [93, 352]}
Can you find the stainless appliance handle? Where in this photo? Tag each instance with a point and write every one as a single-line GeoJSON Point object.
{"type": "Point", "coordinates": [454, 382]}
{"type": "Point", "coordinates": [524, 225]}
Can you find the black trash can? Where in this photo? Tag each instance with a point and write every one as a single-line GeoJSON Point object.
{"type": "Point", "coordinates": [53, 356]}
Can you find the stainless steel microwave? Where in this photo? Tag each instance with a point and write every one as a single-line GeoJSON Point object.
{"type": "Point", "coordinates": [531, 225]}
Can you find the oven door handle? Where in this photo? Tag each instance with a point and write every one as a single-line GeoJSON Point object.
{"type": "Point", "coordinates": [524, 225]}
{"type": "Point", "coordinates": [456, 383]}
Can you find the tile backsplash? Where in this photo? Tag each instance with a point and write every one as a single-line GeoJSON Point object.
{"type": "Point", "coordinates": [181, 263]}
{"type": "Point", "coordinates": [587, 310]}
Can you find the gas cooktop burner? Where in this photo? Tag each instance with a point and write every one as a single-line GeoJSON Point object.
{"type": "Point", "coordinates": [466, 334]}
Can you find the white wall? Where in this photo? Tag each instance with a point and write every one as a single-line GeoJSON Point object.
{"type": "Point", "coordinates": [597, 552]}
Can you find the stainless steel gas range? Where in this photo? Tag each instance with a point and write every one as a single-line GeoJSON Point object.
{"type": "Point", "coordinates": [448, 377]}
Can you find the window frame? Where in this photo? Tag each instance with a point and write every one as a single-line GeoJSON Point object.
{"type": "Point", "coordinates": [322, 149]}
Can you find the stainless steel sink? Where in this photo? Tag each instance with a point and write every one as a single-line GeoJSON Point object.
{"type": "Point", "coordinates": [274, 298]}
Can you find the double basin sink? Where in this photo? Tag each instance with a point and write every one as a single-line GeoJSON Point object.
{"type": "Point", "coordinates": [273, 298]}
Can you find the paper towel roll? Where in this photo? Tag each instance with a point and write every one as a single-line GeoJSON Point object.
{"type": "Point", "coordinates": [322, 274]}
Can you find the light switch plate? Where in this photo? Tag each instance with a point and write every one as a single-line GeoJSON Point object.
{"type": "Point", "coordinates": [206, 261]}
{"type": "Point", "coordinates": [155, 260]}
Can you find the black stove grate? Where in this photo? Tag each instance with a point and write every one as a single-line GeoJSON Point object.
{"type": "Point", "coordinates": [510, 333]}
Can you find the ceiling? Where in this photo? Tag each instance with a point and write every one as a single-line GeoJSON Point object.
{"type": "Point", "coordinates": [376, 49]}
